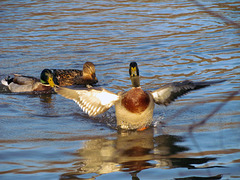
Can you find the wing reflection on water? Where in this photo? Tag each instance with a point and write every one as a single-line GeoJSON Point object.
{"type": "Point", "coordinates": [131, 152]}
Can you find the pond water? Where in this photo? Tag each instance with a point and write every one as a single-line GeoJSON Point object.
{"type": "Point", "coordinates": [45, 136]}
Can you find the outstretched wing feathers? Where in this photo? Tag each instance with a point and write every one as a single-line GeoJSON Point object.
{"type": "Point", "coordinates": [97, 101]}
{"type": "Point", "coordinates": [168, 93]}
{"type": "Point", "coordinates": [91, 101]}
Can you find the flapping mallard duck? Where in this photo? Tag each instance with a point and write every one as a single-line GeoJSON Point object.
{"type": "Point", "coordinates": [20, 83]}
{"type": "Point", "coordinates": [133, 108]}
{"type": "Point", "coordinates": [68, 77]}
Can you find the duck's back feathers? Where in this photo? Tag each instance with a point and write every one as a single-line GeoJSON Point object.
{"type": "Point", "coordinates": [91, 101]}
{"type": "Point", "coordinates": [168, 93]}
{"type": "Point", "coordinates": [23, 80]}
{"type": "Point", "coordinates": [66, 77]}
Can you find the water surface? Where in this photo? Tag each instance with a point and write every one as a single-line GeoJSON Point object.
{"type": "Point", "coordinates": [48, 137]}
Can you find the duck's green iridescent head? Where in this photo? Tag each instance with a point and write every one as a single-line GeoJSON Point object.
{"type": "Point", "coordinates": [46, 77]}
{"type": "Point", "coordinates": [134, 74]}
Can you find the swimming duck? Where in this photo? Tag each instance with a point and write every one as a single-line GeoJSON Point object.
{"type": "Point", "coordinates": [20, 83]}
{"type": "Point", "coordinates": [68, 77]}
{"type": "Point", "coordinates": [133, 108]}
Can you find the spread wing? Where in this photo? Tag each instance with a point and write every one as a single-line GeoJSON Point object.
{"type": "Point", "coordinates": [91, 101]}
{"type": "Point", "coordinates": [168, 93]}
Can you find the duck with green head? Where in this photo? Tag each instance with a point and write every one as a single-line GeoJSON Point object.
{"type": "Point", "coordinates": [133, 108]}
{"type": "Point", "coordinates": [46, 77]}
{"type": "Point", "coordinates": [20, 83]}
{"type": "Point", "coordinates": [68, 77]}
{"type": "Point", "coordinates": [62, 77]}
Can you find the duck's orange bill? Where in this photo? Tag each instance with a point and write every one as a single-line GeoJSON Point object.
{"type": "Point", "coordinates": [142, 129]}
{"type": "Point", "coordinates": [50, 82]}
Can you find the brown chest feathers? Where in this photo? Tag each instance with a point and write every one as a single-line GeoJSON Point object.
{"type": "Point", "coordinates": [136, 100]}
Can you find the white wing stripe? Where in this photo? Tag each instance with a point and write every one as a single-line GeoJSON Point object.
{"type": "Point", "coordinates": [91, 101]}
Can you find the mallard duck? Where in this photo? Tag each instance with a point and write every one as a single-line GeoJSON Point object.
{"type": "Point", "coordinates": [68, 77]}
{"type": "Point", "coordinates": [20, 83]}
{"type": "Point", "coordinates": [133, 108]}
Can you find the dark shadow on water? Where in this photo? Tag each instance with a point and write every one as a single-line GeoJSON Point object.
{"type": "Point", "coordinates": [204, 178]}
{"type": "Point", "coordinates": [132, 152]}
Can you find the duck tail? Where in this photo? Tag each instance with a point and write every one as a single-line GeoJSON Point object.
{"type": "Point", "coordinates": [7, 81]}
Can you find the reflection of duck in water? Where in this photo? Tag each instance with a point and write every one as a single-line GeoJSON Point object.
{"type": "Point", "coordinates": [62, 77]}
{"type": "Point", "coordinates": [134, 108]}
{"type": "Point", "coordinates": [131, 152]}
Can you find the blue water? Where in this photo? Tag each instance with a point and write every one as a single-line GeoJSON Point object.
{"type": "Point", "coordinates": [48, 137]}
